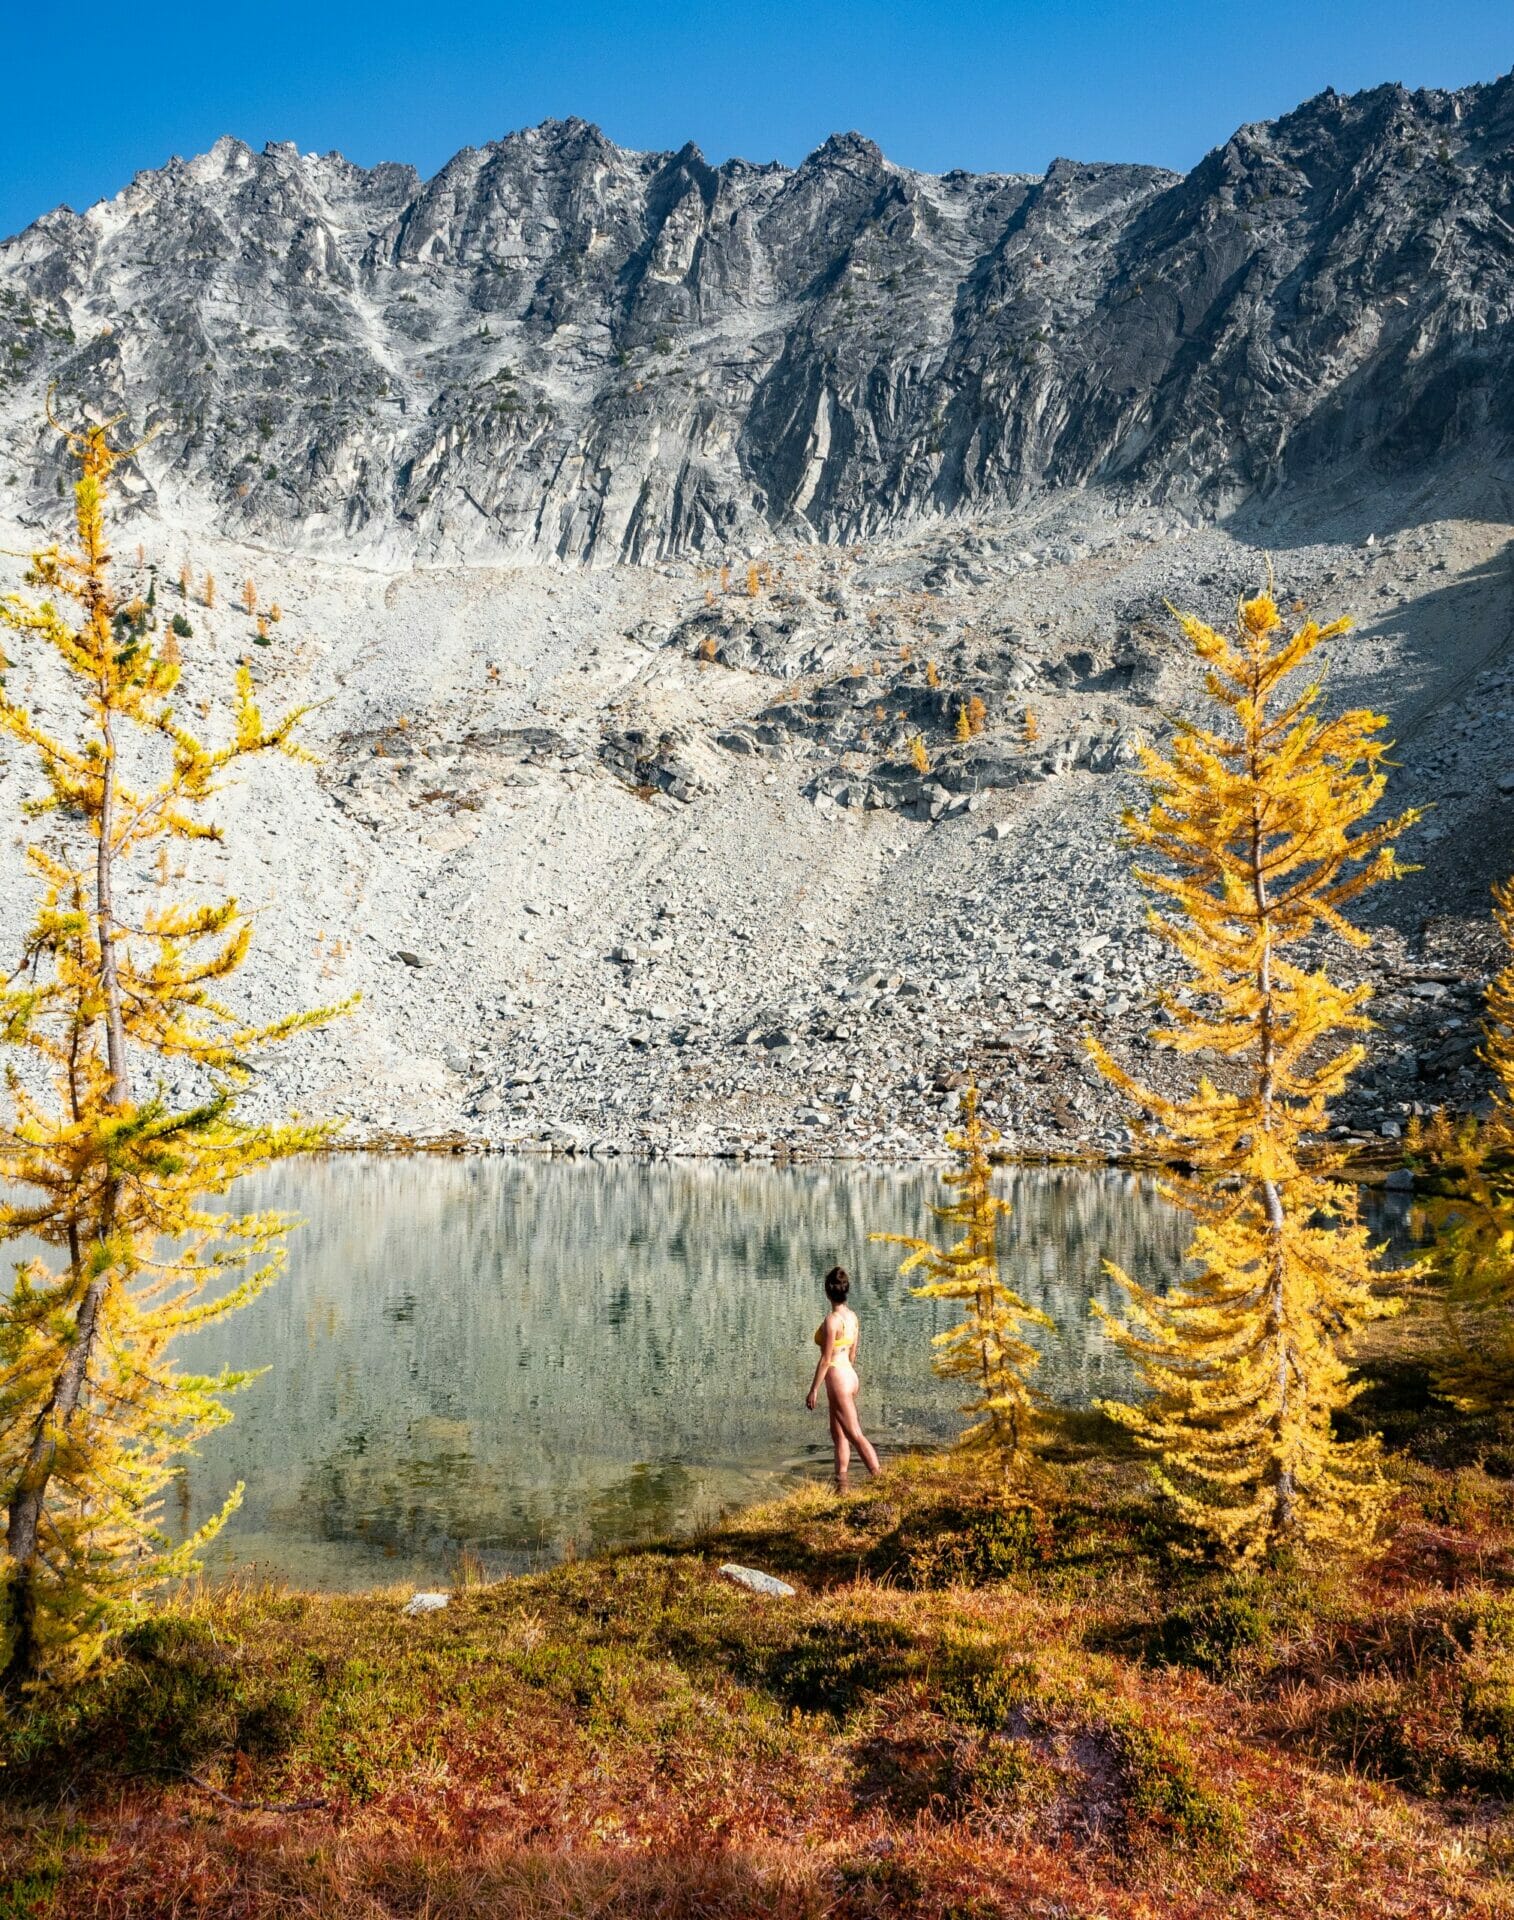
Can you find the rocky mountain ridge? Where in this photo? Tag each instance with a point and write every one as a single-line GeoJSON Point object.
{"type": "Point", "coordinates": [729, 600]}
{"type": "Point", "coordinates": [559, 349]}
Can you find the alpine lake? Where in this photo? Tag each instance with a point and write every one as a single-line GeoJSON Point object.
{"type": "Point", "coordinates": [514, 1360]}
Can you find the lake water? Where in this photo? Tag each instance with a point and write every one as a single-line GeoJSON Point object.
{"type": "Point", "coordinates": [522, 1358]}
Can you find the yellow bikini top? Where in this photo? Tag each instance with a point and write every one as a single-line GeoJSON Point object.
{"type": "Point", "coordinates": [841, 1342]}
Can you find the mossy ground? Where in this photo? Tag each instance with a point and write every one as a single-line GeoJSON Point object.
{"type": "Point", "coordinates": [971, 1709]}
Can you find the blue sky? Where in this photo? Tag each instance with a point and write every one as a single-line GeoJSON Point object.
{"type": "Point", "coordinates": [980, 84]}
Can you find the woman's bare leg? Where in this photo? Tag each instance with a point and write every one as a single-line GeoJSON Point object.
{"type": "Point", "coordinates": [843, 1449]}
{"type": "Point", "coordinates": [844, 1415]}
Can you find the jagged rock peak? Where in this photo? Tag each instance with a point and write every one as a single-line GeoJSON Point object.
{"type": "Point", "coordinates": [556, 347]}
{"type": "Point", "coordinates": [847, 148]}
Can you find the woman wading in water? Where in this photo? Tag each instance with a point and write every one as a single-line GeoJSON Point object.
{"type": "Point", "coordinates": [838, 1338]}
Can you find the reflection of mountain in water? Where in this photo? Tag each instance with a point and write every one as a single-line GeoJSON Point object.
{"type": "Point", "coordinates": [514, 1355]}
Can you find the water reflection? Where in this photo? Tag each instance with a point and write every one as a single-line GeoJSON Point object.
{"type": "Point", "coordinates": [512, 1357]}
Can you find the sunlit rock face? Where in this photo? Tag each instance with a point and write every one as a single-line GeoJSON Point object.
{"type": "Point", "coordinates": [559, 349]}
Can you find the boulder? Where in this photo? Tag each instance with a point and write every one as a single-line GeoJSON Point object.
{"type": "Point", "coordinates": [756, 1581]}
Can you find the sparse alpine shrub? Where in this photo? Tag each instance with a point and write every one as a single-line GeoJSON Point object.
{"type": "Point", "coordinates": [1165, 1788]}
{"type": "Point", "coordinates": [966, 1545]}
{"type": "Point", "coordinates": [835, 1666]}
{"type": "Point", "coordinates": [1228, 1620]}
{"type": "Point", "coordinates": [980, 1683]}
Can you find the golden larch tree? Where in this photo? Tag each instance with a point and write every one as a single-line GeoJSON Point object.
{"type": "Point", "coordinates": [208, 590]}
{"type": "Point", "coordinates": [919, 754]}
{"type": "Point", "coordinates": [250, 595]}
{"type": "Point", "coordinates": [1257, 844]}
{"type": "Point", "coordinates": [964, 728]}
{"type": "Point", "coordinates": [986, 1348]}
{"type": "Point", "coordinates": [112, 1179]}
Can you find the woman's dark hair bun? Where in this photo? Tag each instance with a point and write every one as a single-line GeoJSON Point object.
{"type": "Point", "coordinates": [837, 1285]}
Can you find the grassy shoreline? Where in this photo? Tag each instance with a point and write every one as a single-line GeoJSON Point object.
{"type": "Point", "coordinates": [970, 1708]}
{"type": "Point", "coordinates": [967, 1710]}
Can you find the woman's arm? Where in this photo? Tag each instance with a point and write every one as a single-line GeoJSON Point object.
{"type": "Point", "coordinates": [827, 1349]}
